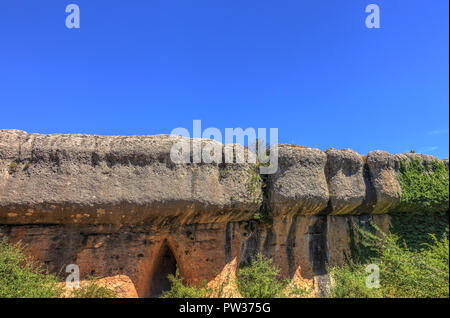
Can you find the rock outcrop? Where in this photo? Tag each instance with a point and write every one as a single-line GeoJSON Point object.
{"type": "Point", "coordinates": [121, 206]}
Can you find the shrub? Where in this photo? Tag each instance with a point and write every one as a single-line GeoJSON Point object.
{"type": "Point", "coordinates": [258, 279]}
{"type": "Point", "coordinates": [415, 227]}
{"type": "Point", "coordinates": [22, 277]}
{"type": "Point", "coordinates": [349, 281]}
{"type": "Point", "coordinates": [179, 290]}
{"type": "Point", "coordinates": [403, 272]}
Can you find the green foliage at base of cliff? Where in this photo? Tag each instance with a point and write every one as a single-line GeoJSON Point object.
{"type": "Point", "coordinates": [258, 279]}
{"type": "Point", "coordinates": [424, 202]}
{"type": "Point", "coordinates": [414, 228]}
{"type": "Point", "coordinates": [402, 272]}
{"type": "Point", "coordinates": [425, 186]}
{"type": "Point", "coordinates": [180, 290]}
{"type": "Point", "coordinates": [23, 277]}
{"type": "Point", "coordinates": [360, 250]}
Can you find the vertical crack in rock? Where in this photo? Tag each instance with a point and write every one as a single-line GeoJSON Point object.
{"type": "Point", "coordinates": [370, 199]}
{"type": "Point", "coordinates": [290, 246]}
{"type": "Point", "coordinates": [318, 253]}
{"type": "Point", "coordinates": [269, 243]}
{"type": "Point", "coordinates": [228, 243]}
{"type": "Point", "coordinates": [251, 246]}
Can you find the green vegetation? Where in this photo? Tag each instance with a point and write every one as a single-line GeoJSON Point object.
{"type": "Point", "coordinates": [424, 202]}
{"type": "Point", "coordinates": [403, 272]}
{"type": "Point", "coordinates": [23, 277]}
{"type": "Point", "coordinates": [414, 228]}
{"type": "Point", "coordinates": [180, 290]}
{"type": "Point", "coordinates": [255, 183]}
{"type": "Point", "coordinates": [12, 167]}
{"type": "Point", "coordinates": [258, 279]}
{"type": "Point", "coordinates": [425, 187]}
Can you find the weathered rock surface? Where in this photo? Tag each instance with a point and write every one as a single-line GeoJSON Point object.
{"type": "Point", "coordinates": [383, 169]}
{"type": "Point", "coordinates": [55, 179]}
{"type": "Point", "coordinates": [299, 187]}
{"type": "Point", "coordinates": [122, 285]}
{"type": "Point", "coordinates": [347, 182]}
{"type": "Point", "coordinates": [121, 206]}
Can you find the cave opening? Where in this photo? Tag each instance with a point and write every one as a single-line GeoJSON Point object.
{"type": "Point", "coordinates": [165, 264]}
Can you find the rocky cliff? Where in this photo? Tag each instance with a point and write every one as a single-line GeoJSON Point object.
{"type": "Point", "coordinates": [120, 206]}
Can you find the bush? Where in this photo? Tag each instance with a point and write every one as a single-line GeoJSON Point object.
{"type": "Point", "coordinates": [349, 281]}
{"type": "Point", "coordinates": [179, 290]}
{"type": "Point", "coordinates": [258, 279]}
{"type": "Point", "coordinates": [21, 277]}
{"type": "Point", "coordinates": [403, 272]}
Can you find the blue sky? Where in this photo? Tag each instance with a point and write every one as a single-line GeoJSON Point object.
{"type": "Point", "coordinates": [309, 68]}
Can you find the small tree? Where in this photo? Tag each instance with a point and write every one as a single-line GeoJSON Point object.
{"type": "Point", "coordinates": [258, 279]}
{"type": "Point", "coordinates": [179, 290]}
{"type": "Point", "coordinates": [21, 277]}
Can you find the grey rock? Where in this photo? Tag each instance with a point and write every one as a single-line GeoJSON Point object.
{"type": "Point", "coordinates": [383, 168]}
{"type": "Point", "coordinates": [345, 177]}
{"type": "Point", "coordinates": [121, 180]}
{"type": "Point", "coordinates": [299, 187]}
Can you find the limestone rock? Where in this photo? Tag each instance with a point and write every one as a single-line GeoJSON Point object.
{"type": "Point", "coordinates": [116, 180]}
{"type": "Point", "coordinates": [345, 176]}
{"type": "Point", "coordinates": [299, 187]}
{"type": "Point", "coordinates": [383, 168]}
{"type": "Point", "coordinates": [121, 284]}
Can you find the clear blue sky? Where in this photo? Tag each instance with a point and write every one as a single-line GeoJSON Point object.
{"type": "Point", "coordinates": [309, 68]}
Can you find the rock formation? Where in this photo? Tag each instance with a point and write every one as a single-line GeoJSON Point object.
{"type": "Point", "coordinates": [120, 206]}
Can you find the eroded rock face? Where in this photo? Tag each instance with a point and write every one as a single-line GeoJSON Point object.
{"type": "Point", "coordinates": [299, 187]}
{"type": "Point", "coordinates": [55, 179]}
{"type": "Point", "coordinates": [347, 182]}
{"type": "Point", "coordinates": [383, 169]}
{"type": "Point", "coordinates": [122, 285]}
{"type": "Point", "coordinates": [121, 206]}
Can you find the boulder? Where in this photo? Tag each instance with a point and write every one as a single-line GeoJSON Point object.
{"type": "Point", "coordinates": [299, 186]}
{"type": "Point", "coordinates": [345, 176]}
{"type": "Point", "coordinates": [383, 168]}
